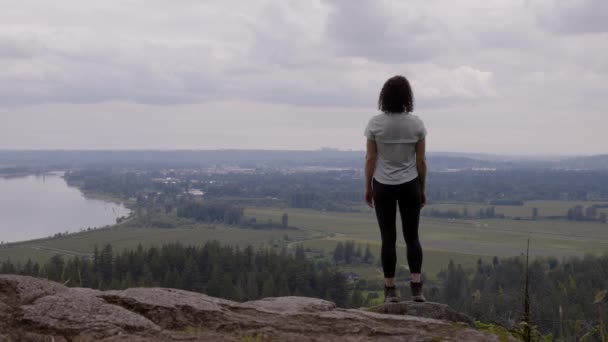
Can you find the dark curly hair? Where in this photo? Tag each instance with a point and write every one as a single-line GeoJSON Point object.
{"type": "Point", "coordinates": [396, 96]}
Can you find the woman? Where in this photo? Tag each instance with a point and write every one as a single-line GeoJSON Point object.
{"type": "Point", "coordinates": [395, 174]}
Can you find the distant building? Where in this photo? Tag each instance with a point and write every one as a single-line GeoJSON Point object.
{"type": "Point", "coordinates": [196, 192]}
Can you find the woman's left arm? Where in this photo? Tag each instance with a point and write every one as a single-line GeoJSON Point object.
{"type": "Point", "coordinates": [421, 166]}
{"type": "Point", "coordinates": [370, 165]}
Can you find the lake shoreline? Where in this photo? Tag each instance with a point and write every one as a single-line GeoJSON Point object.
{"type": "Point", "coordinates": [93, 195]}
{"type": "Point", "coordinates": [12, 175]}
{"type": "Point", "coordinates": [61, 208]}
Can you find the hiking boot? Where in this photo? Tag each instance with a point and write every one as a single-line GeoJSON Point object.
{"type": "Point", "coordinates": [390, 294]}
{"type": "Point", "coordinates": [417, 295]}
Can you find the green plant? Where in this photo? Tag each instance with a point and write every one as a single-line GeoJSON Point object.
{"type": "Point", "coordinates": [249, 338]}
{"type": "Point", "coordinates": [501, 332]}
{"type": "Point", "coordinates": [599, 301]}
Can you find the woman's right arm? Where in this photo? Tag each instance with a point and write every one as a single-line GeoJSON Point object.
{"type": "Point", "coordinates": [421, 166]}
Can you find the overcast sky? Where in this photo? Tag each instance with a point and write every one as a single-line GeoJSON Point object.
{"type": "Point", "coordinates": [493, 76]}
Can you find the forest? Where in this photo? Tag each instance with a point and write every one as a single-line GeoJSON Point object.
{"type": "Point", "coordinates": [340, 190]}
{"type": "Point", "coordinates": [563, 295]}
{"type": "Point", "coordinates": [214, 269]}
{"type": "Point", "coordinates": [226, 213]}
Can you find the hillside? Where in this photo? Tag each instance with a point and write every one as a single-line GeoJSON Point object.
{"type": "Point", "coordinates": [38, 310]}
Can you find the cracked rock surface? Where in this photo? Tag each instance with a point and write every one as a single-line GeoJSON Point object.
{"type": "Point", "coordinates": [39, 310]}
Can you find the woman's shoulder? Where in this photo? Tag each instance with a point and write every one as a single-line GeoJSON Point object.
{"type": "Point", "coordinates": [388, 118]}
{"type": "Point", "coordinates": [377, 116]}
{"type": "Point", "coordinates": [416, 118]}
{"type": "Point", "coordinates": [375, 120]}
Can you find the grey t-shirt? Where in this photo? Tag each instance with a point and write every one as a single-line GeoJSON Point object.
{"type": "Point", "coordinates": [396, 135]}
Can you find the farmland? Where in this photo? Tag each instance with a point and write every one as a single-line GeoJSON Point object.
{"type": "Point", "coordinates": [463, 241]}
{"type": "Point", "coordinates": [500, 237]}
{"type": "Point", "coordinates": [125, 237]}
{"type": "Point", "coordinates": [545, 208]}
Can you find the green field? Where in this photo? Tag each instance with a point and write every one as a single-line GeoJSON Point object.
{"type": "Point", "coordinates": [478, 237]}
{"type": "Point", "coordinates": [434, 260]}
{"type": "Point", "coordinates": [122, 237]}
{"type": "Point", "coordinates": [545, 208]}
{"type": "Point", "coordinates": [464, 241]}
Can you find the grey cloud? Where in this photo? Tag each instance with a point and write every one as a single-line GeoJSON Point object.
{"type": "Point", "coordinates": [479, 69]}
{"type": "Point", "coordinates": [365, 28]}
{"type": "Point", "coordinates": [503, 39]}
{"type": "Point", "coordinates": [323, 53]}
{"type": "Point", "coordinates": [17, 47]}
{"type": "Point", "coordinates": [574, 17]}
{"type": "Point", "coordinates": [86, 73]}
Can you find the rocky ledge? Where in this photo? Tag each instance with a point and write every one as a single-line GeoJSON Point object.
{"type": "Point", "coordinates": [39, 310]}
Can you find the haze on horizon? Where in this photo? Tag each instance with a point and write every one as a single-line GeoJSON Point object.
{"type": "Point", "coordinates": [498, 76]}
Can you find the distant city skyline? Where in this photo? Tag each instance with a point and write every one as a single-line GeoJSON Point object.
{"type": "Point", "coordinates": [515, 77]}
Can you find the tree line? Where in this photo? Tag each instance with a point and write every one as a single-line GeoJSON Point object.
{"type": "Point", "coordinates": [591, 213]}
{"type": "Point", "coordinates": [337, 190]}
{"type": "Point", "coordinates": [561, 296]}
{"type": "Point", "coordinates": [512, 187]}
{"type": "Point", "coordinates": [482, 213]}
{"type": "Point", "coordinates": [214, 269]}
{"type": "Point", "coordinates": [345, 252]}
{"type": "Point", "coordinates": [226, 213]}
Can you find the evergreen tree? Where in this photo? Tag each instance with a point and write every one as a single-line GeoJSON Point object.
{"type": "Point", "coordinates": [368, 257]}
{"type": "Point", "coordinates": [456, 286]}
{"type": "Point", "coordinates": [283, 289]}
{"type": "Point", "coordinates": [349, 251]}
{"type": "Point", "coordinates": [147, 278]}
{"type": "Point", "coordinates": [8, 267]}
{"type": "Point", "coordinates": [325, 281]}
{"type": "Point", "coordinates": [106, 264]}
{"type": "Point", "coordinates": [570, 214]}
{"type": "Point", "coordinates": [300, 254]}
{"type": "Point", "coordinates": [338, 289]}
{"type": "Point", "coordinates": [534, 213]}
{"type": "Point", "coordinates": [214, 285]}
{"type": "Point", "coordinates": [339, 252]}
{"type": "Point", "coordinates": [268, 288]}
{"type": "Point", "coordinates": [54, 268]}
{"type": "Point", "coordinates": [490, 212]}
{"type": "Point", "coordinates": [95, 259]}
{"type": "Point", "coordinates": [28, 269]}
{"type": "Point", "coordinates": [591, 213]}
{"type": "Point", "coordinates": [251, 287]}
{"type": "Point", "coordinates": [191, 276]}
{"type": "Point", "coordinates": [356, 300]}
{"type": "Point", "coordinates": [495, 261]}
{"type": "Point", "coordinates": [227, 288]}
{"type": "Point", "coordinates": [578, 213]}
{"type": "Point", "coordinates": [358, 253]}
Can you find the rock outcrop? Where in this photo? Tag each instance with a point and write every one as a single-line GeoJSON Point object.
{"type": "Point", "coordinates": [38, 310]}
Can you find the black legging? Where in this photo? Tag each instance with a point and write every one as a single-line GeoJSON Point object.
{"type": "Point", "coordinates": [409, 198]}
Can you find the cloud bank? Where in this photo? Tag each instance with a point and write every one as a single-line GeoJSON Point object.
{"type": "Point", "coordinates": [534, 59]}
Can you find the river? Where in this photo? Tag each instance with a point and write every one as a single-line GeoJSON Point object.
{"type": "Point", "coordinates": [39, 206]}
